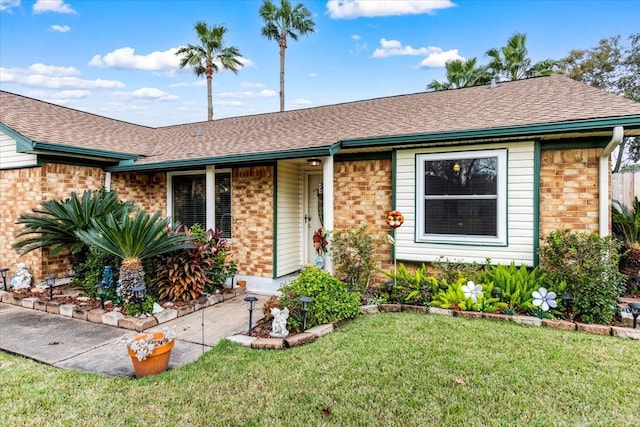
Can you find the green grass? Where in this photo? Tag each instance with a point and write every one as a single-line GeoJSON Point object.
{"type": "Point", "coordinates": [400, 369]}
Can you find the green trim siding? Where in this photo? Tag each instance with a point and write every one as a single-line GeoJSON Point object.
{"type": "Point", "coordinates": [229, 161]}
{"type": "Point", "coordinates": [575, 144]}
{"type": "Point", "coordinates": [536, 201]}
{"type": "Point", "coordinates": [355, 157]}
{"type": "Point", "coordinates": [23, 144]}
{"type": "Point", "coordinates": [506, 131]}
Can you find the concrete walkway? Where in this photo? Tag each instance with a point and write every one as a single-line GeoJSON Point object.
{"type": "Point", "coordinates": [80, 345]}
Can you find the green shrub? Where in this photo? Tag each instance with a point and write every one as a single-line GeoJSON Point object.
{"type": "Point", "coordinates": [411, 287]}
{"type": "Point", "coordinates": [354, 257]}
{"type": "Point", "coordinates": [452, 296]}
{"type": "Point", "coordinates": [332, 301]}
{"type": "Point", "coordinates": [588, 264]}
{"type": "Point", "coordinates": [516, 283]}
{"type": "Point", "coordinates": [89, 272]}
{"type": "Point", "coordinates": [135, 309]}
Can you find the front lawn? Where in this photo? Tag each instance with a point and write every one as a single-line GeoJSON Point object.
{"type": "Point", "coordinates": [401, 369]}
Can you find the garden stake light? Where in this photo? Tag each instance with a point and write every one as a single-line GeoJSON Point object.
{"type": "Point", "coordinates": [305, 308]}
{"type": "Point", "coordinates": [51, 281]}
{"type": "Point", "coordinates": [3, 272]}
{"type": "Point", "coordinates": [100, 292]}
{"type": "Point", "coordinates": [389, 286]}
{"type": "Point", "coordinates": [496, 293]}
{"type": "Point", "coordinates": [139, 292]}
{"type": "Point", "coordinates": [566, 302]}
{"type": "Point", "coordinates": [634, 307]}
{"type": "Point", "coordinates": [252, 302]}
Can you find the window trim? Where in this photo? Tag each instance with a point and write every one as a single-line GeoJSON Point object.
{"type": "Point", "coordinates": [210, 181]}
{"type": "Point", "coordinates": [501, 210]}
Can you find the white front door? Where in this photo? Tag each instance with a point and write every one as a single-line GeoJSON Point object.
{"type": "Point", "coordinates": [312, 212]}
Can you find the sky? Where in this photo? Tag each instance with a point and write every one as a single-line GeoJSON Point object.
{"type": "Point", "coordinates": [116, 58]}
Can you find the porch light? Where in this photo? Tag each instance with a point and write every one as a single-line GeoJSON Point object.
{"type": "Point", "coordinates": [51, 282]}
{"type": "Point", "coordinates": [456, 167]}
{"type": "Point", "coordinates": [634, 307]}
{"type": "Point", "coordinates": [314, 162]}
{"type": "Point", "coordinates": [3, 273]}
{"type": "Point", "coordinates": [306, 301]}
{"type": "Point", "coordinates": [100, 292]}
{"type": "Point", "coordinates": [252, 302]}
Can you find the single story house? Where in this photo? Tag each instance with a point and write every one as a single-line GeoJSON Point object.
{"type": "Point", "coordinates": [477, 172]}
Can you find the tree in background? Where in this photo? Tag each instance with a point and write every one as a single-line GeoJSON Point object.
{"type": "Point", "coordinates": [512, 63]}
{"type": "Point", "coordinates": [462, 73]}
{"type": "Point", "coordinates": [210, 56]}
{"type": "Point", "coordinates": [613, 67]}
{"type": "Point", "coordinates": [283, 22]}
{"type": "Point", "coordinates": [509, 62]}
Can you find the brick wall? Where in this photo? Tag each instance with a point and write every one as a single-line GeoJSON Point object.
{"type": "Point", "coordinates": [569, 190]}
{"type": "Point", "coordinates": [148, 190]}
{"type": "Point", "coordinates": [22, 190]}
{"type": "Point", "coordinates": [252, 211]}
{"type": "Point", "coordinates": [362, 194]}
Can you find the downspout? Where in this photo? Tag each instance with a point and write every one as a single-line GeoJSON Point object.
{"type": "Point", "coordinates": [107, 181]}
{"type": "Point", "coordinates": [616, 138]}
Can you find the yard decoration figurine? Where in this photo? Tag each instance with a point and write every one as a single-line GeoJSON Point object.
{"type": "Point", "coordinates": [395, 219]}
{"type": "Point", "coordinates": [279, 323]}
{"type": "Point", "coordinates": [22, 278]}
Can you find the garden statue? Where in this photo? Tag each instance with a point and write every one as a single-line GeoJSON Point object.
{"type": "Point", "coordinates": [22, 278]}
{"type": "Point", "coordinates": [279, 323]}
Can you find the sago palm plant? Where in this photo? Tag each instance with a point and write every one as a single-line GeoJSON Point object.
{"type": "Point", "coordinates": [133, 239]}
{"type": "Point", "coordinates": [54, 224]}
{"type": "Point", "coordinates": [626, 226]}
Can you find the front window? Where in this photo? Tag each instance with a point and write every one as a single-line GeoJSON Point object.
{"type": "Point", "coordinates": [462, 197]}
{"type": "Point", "coordinates": [189, 201]}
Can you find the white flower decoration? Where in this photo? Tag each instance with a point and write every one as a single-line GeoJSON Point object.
{"type": "Point", "coordinates": [473, 291]}
{"type": "Point", "coordinates": [544, 299]}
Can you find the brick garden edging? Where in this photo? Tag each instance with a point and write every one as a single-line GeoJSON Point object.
{"type": "Point", "coordinates": [114, 318]}
{"type": "Point", "coordinates": [564, 325]}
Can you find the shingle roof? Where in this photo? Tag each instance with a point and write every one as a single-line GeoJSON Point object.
{"type": "Point", "coordinates": [542, 100]}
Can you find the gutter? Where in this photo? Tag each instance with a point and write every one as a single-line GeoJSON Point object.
{"type": "Point", "coordinates": [603, 172]}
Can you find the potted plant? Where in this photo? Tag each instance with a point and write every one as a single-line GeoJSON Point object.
{"type": "Point", "coordinates": [150, 351]}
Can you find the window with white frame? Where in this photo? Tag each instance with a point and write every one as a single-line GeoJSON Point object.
{"type": "Point", "coordinates": [188, 200]}
{"type": "Point", "coordinates": [461, 197]}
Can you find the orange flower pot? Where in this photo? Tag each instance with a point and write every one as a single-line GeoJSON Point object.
{"type": "Point", "coordinates": [157, 361]}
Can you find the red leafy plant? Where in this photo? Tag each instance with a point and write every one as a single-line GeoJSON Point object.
{"type": "Point", "coordinates": [320, 241]}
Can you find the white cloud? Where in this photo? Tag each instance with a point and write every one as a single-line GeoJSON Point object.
{"type": "Point", "coordinates": [313, 75]}
{"type": "Point", "coordinates": [196, 83]}
{"type": "Point", "coordinates": [394, 48]}
{"type": "Point", "coordinates": [265, 93]}
{"type": "Point", "coordinates": [349, 9]}
{"type": "Point", "coordinates": [126, 58]}
{"type": "Point", "coordinates": [60, 28]}
{"type": "Point", "coordinates": [439, 59]}
{"type": "Point", "coordinates": [356, 37]}
{"type": "Point", "coordinates": [252, 85]}
{"type": "Point", "coordinates": [301, 101]}
{"type": "Point", "coordinates": [148, 94]}
{"type": "Point", "coordinates": [7, 5]}
{"type": "Point", "coordinates": [52, 77]}
{"type": "Point", "coordinates": [228, 103]}
{"type": "Point", "coordinates": [163, 62]}
{"type": "Point", "coordinates": [58, 6]}
{"type": "Point", "coordinates": [52, 70]}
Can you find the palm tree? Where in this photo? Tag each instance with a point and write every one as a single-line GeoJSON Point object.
{"type": "Point", "coordinates": [54, 225]}
{"type": "Point", "coordinates": [511, 61]}
{"type": "Point", "coordinates": [461, 73]}
{"type": "Point", "coordinates": [133, 239]}
{"type": "Point", "coordinates": [284, 22]}
{"type": "Point", "coordinates": [210, 56]}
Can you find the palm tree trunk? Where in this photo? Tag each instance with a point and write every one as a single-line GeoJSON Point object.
{"type": "Point", "coordinates": [209, 96]}
{"type": "Point", "coordinates": [131, 274]}
{"type": "Point", "coordinates": [283, 46]}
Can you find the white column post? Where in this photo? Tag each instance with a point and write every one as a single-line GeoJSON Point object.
{"type": "Point", "coordinates": [210, 204]}
{"type": "Point", "coordinates": [327, 184]}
